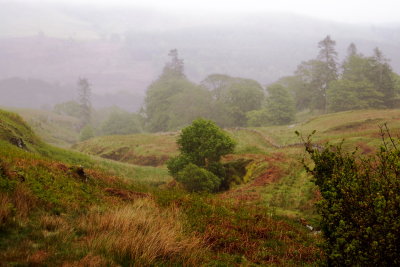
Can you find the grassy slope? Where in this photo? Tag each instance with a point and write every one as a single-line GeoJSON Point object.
{"type": "Point", "coordinates": [287, 190]}
{"type": "Point", "coordinates": [55, 129]}
{"type": "Point", "coordinates": [51, 214]}
{"type": "Point", "coordinates": [48, 201]}
{"type": "Point", "coordinates": [280, 182]}
{"type": "Point", "coordinates": [140, 149]}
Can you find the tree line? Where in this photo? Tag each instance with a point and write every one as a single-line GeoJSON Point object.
{"type": "Point", "coordinates": [172, 101]}
{"type": "Point", "coordinates": [359, 82]}
{"type": "Point", "coordinates": [320, 84]}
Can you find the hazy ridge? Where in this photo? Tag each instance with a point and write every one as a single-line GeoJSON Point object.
{"type": "Point", "coordinates": [125, 49]}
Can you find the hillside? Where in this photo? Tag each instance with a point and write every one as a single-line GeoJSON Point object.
{"type": "Point", "coordinates": [278, 180]}
{"type": "Point", "coordinates": [60, 207]}
{"type": "Point", "coordinates": [139, 149]}
{"type": "Point", "coordinates": [353, 126]}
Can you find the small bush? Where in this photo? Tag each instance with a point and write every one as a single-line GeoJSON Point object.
{"type": "Point", "coordinates": [197, 179]}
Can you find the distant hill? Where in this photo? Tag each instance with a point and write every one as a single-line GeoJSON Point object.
{"type": "Point", "coordinates": [35, 93]}
{"type": "Point", "coordinates": [125, 49]}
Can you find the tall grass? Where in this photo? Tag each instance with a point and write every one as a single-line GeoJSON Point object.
{"type": "Point", "coordinates": [140, 233]}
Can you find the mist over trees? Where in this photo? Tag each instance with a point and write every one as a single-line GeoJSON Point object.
{"type": "Point", "coordinates": [173, 101]}
{"type": "Point", "coordinates": [322, 84]}
{"type": "Point", "coordinates": [360, 82]}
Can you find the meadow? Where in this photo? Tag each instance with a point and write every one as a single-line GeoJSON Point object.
{"type": "Point", "coordinates": [83, 207]}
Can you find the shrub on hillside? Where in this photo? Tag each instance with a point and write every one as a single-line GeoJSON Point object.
{"type": "Point", "coordinates": [176, 164]}
{"type": "Point", "coordinates": [204, 142]}
{"type": "Point", "coordinates": [202, 145]}
{"type": "Point", "coordinates": [196, 179]}
{"type": "Point", "coordinates": [360, 206]}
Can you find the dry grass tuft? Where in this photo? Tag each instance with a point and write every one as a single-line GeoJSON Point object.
{"type": "Point", "coordinates": [126, 195]}
{"type": "Point", "coordinates": [37, 258]}
{"type": "Point", "coordinates": [16, 205]}
{"type": "Point", "coordinates": [24, 201]}
{"type": "Point", "coordinates": [89, 260]}
{"type": "Point", "coordinates": [53, 223]}
{"type": "Point", "coordinates": [5, 208]}
{"type": "Point", "coordinates": [141, 233]}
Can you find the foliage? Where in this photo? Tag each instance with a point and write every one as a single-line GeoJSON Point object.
{"type": "Point", "coordinates": [121, 122]}
{"type": "Point", "coordinates": [257, 118]}
{"type": "Point", "coordinates": [298, 87]}
{"type": "Point", "coordinates": [236, 95]}
{"type": "Point", "coordinates": [367, 82]}
{"type": "Point", "coordinates": [203, 142]}
{"type": "Point", "coordinates": [196, 179]}
{"type": "Point", "coordinates": [176, 164]}
{"type": "Point", "coordinates": [172, 102]}
{"type": "Point", "coordinates": [360, 215]}
{"type": "Point", "coordinates": [311, 74]}
{"type": "Point", "coordinates": [280, 105]}
{"type": "Point", "coordinates": [347, 95]}
{"type": "Point", "coordinates": [279, 108]}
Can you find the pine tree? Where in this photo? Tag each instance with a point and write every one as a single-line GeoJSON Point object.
{"type": "Point", "coordinates": [382, 76]}
{"type": "Point", "coordinates": [328, 56]}
{"type": "Point", "coordinates": [351, 50]}
{"type": "Point", "coordinates": [84, 92]}
{"type": "Point", "coordinates": [175, 67]}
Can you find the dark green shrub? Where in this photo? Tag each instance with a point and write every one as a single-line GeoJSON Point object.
{"type": "Point", "coordinates": [176, 164]}
{"type": "Point", "coordinates": [201, 144]}
{"type": "Point", "coordinates": [204, 142]}
{"type": "Point", "coordinates": [360, 206]}
{"type": "Point", "coordinates": [196, 179]}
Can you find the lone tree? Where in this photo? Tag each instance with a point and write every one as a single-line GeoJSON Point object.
{"type": "Point", "coordinates": [84, 101]}
{"type": "Point", "coordinates": [202, 145]}
{"type": "Point", "coordinates": [328, 56]}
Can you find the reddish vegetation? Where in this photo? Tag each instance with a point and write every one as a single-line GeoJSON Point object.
{"type": "Point", "coordinates": [272, 174]}
{"type": "Point", "coordinates": [242, 195]}
{"type": "Point", "coordinates": [130, 157]}
{"type": "Point", "coordinates": [364, 148]}
{"type": "Point", "coordinates": [89, 260]}
{"type": "Point", "coordinates": [249, 192]}
{"type": "Point", "coordinates": [38, 258]}
{"type": "Point", "coordinates": [126, 195]}
{"type": "Point", "coordinates": [259, 238]}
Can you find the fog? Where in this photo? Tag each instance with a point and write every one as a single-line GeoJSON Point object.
{"type": "Point", "coordinates": [122, 46]}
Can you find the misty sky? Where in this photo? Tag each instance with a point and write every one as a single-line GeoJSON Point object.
{"type": "Point", "coordinates": [352, 11]}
